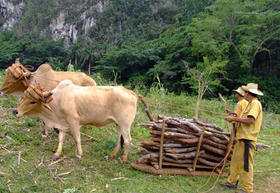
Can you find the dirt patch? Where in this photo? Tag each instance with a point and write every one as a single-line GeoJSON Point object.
{"type": "Point", "coordinates": [268, 184]}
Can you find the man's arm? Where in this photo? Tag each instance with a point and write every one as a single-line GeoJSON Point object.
{"type": "Point", "coordinates": [248, 120]}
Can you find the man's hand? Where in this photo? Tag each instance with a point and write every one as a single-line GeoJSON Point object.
{"type": "Point", "coordinates": [231, 113]}
{"type": "Point", "coordinates": [249, 120]}
{"type": "Point", "coordinates": [228, 111]}
{"type": "Point", "coordinates": [230, 118]}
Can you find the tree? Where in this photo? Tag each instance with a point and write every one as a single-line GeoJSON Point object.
{"type": "Point", "coordinates": [89, 57]}
{"type": "Point", "coordinates": [10, 48]}
{"type": "Point", "coordinates": [46, 51]}
{"type": "Point", "coordinates": [203, 77]}
{"type": "Point", "coordinates": [244, 26]}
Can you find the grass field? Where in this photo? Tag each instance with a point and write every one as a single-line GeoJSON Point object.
{"type": "Point", "coordinates": [35, 171]}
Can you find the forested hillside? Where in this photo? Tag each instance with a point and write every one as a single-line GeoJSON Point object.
{"type": "Point", "coordinates": [146, 42]}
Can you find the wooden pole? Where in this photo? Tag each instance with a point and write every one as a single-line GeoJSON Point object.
{"type": "Point", "coordinates": [198, 148]}
{"type": "Point", "coordinates": [225, 107]}
{"type": "Point", "coordinates": [161, 144]}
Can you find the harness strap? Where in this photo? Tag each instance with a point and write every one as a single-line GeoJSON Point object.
{"type": "Point", "coordinates": [247, 147]}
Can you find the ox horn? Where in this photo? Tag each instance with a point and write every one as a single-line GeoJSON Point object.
{"type": "Point", "coordinates": [47, 94]}
{"type": "Point", "coordinates": [47, 106]}
{"type": "Point", "coordinates": [27, 74]}
{"type": "Point", "coordinates": [17, 61]}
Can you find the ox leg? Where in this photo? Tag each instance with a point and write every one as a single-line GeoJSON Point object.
{"type": "Point", "coordinates": [73, 121]}
{"type": "Point", "coordinates": [127, 140]}
{"type": "Point", "coordinates": [77, 138]}
{"type": "Point", "coordinates": [61, 137]}
{"type": "Point", "coordinates": [117, 148]}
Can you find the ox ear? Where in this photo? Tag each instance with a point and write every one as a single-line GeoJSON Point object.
{"type": "Point", "coordinates": [46, 94]}
{"type": "Point", "coordinates": [32, 78]}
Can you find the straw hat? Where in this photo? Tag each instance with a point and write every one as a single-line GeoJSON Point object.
{"type": "Point", "coordinates": [240, 91]}
{"type": "Point", "coordinates": [252, 88]}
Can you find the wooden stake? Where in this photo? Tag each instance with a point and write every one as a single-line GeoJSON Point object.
{"type": "Point", "coordinates": [90, 137]}
{"type": "Point", "coordinates": [19, 154]}
{"type": "Point", "coordinates": [63, 174]}
{"type": "Point", "coordinates": [55, 162]}
{"type": "Point", "coordinates": [3, 174]}
{"type": "Point", "coordinates": [198, 148]}
{"type": "Point", "coordinates": [161, 144]}
{"type": "Point", "coordinates": [13, 170]}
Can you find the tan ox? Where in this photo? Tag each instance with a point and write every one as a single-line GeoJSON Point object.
{"type": "Point", "coordinates": [18, 78]}
{"type": "Point", "coordinates": [72, 106]}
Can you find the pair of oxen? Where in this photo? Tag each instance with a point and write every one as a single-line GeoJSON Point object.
{"type": "Point", "coordinates": [68, 100]}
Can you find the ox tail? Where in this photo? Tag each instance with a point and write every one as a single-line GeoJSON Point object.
{"type": "Point", "coordinates": [121, 141]}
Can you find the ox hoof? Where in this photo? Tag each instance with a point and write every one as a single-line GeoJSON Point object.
{"type": "Point", "coordinates": [78, 157]}
{"type": "Point", "coordinates": [106, 157]}
{"type": "Point", "coordinates": [112, 156]}
{"type": "Point", "coordinates": [44, 134]}
{"type": "Point", "coordinates": [123, 161]}
{"type": "Point", "coordinates": [55, 157]}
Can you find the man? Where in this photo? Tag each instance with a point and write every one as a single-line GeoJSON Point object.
{"type": "Point", "coordinates": [241, 105]}
{"type": "Point", "coordinates": [247, 130]}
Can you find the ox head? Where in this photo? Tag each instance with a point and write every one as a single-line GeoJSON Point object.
{"type": "Point", "coordinates": [33, 101]}
{"type": "Point", "coordinates": [16, 80]}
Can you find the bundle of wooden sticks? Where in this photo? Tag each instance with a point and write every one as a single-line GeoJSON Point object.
{"type": "Point", "coordinates": [182, 142]}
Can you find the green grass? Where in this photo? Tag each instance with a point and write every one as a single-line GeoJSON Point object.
{"type": "Point", "coordinates": [95, 173]}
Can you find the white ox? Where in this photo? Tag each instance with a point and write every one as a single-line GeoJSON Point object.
{"type": "Point", "coordinates": [72, 106]}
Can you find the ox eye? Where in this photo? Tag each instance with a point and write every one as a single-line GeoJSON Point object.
{"type": "Point", "coordinates": [32, 102]}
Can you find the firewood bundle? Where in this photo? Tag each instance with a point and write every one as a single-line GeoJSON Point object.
{"type": "Point", "coordinates": [180, 142]}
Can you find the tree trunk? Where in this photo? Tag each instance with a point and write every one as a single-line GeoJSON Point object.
{"type": "Point", "coordinates": [89, 68]}
{"type": "Point", "coordinates": [197, 105]}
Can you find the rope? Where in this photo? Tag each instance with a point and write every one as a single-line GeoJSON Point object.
{"type": "Point", "coordinates": [183, 107]}
{"type": "Point", "coordinates": [218, 177]}
{"type": "Point", "coordinates": [271, 170]}
{"type": "Point", "coordinates": [222, 169]}
{"type": "Point", "coordinates": [215, 183]}
{"type": "Point", "coordinates": [180, 106]}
